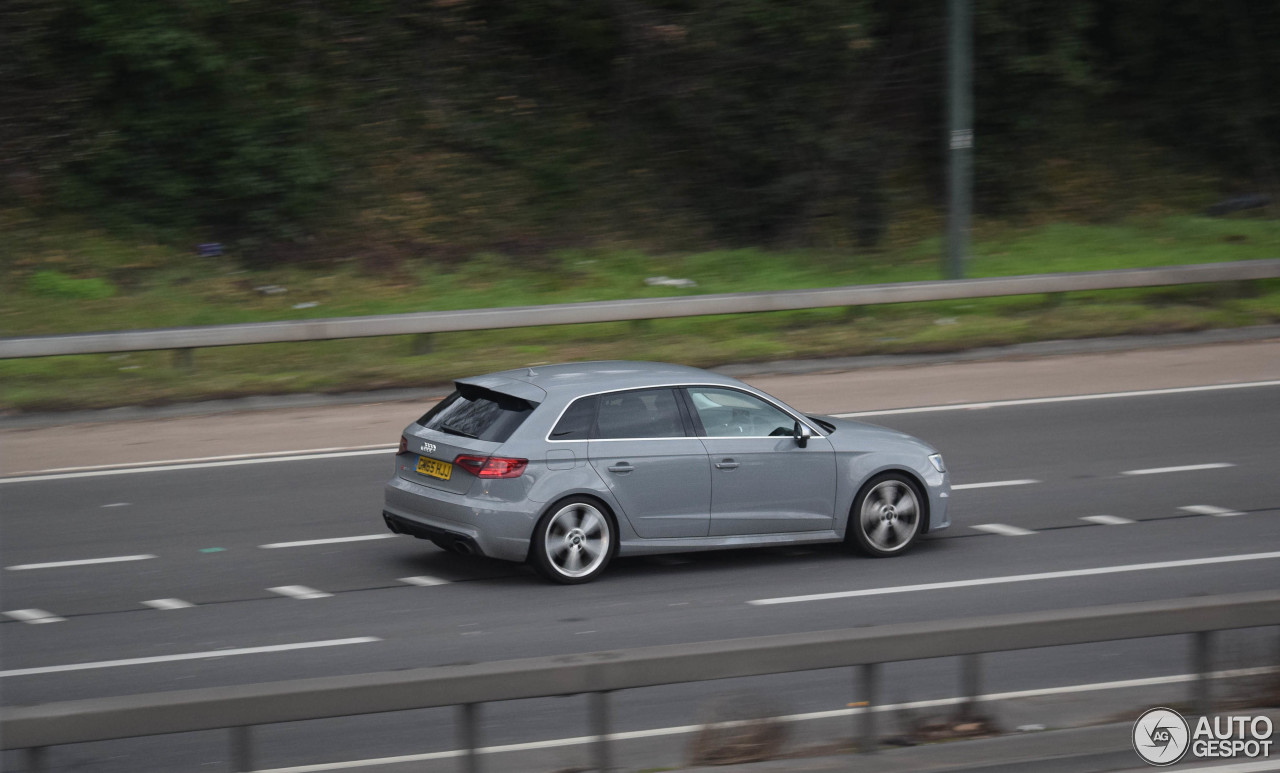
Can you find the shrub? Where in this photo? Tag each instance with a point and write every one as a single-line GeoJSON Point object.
{"type": "Point", "coordinates": [55, 284]}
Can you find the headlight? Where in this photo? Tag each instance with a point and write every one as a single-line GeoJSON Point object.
{"type": "Point", "coordinates": [936, 460]}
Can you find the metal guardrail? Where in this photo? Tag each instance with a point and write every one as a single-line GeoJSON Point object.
{"type": "Point", "coordinates": [599, 673]}
{"type": "Point", "coordinates": [626, 310]}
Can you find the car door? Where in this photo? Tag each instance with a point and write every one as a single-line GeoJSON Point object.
{"type": "Point", "coordinates": [762, 480]}
{"type": "Point", "coordinates": [657, 471]}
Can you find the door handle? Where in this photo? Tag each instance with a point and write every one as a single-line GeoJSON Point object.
{"type": "Point", "coordinates": [726, 464]}
{"type": "Point", "coordinates": [621, 467]}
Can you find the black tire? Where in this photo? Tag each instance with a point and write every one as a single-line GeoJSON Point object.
{"type": "Point", "coordinates": [887, 516]}
{"type": "Point", "coordinates": [562, 546]}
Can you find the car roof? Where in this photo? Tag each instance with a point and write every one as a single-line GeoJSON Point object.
{"type": "Point", "coordinates": [605, 375]}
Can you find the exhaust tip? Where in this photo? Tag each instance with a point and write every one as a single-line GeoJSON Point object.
{"type": "Point", "coordinates": [462, 548]}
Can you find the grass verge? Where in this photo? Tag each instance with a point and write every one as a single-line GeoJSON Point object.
{"type": "Point", "coordinates": [160, 289]}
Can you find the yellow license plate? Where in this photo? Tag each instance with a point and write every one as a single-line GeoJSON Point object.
{"type": "Point", "coordinates": [435, 468]}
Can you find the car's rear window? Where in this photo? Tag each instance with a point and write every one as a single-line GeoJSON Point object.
{"type": "Point", "coordinates": [477, 413]}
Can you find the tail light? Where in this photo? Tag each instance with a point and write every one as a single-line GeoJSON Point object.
{"type": "Point", "coordinates": [491, 466]}
{"type": "Point", "coordinates": [404, 445]}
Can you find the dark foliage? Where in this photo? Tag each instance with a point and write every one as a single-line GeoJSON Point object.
{"type": "Point", "coordinates": [762, 117]}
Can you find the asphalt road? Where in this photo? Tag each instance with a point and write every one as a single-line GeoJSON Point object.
{"type": "Point", "coordinates": [1186, 477]}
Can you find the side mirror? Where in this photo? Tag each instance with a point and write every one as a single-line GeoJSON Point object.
{"type": "Point", "coordinates": [802, 434]}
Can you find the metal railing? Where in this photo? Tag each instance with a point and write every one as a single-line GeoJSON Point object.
{"type": "Point", "coordinates": [598, 674]}
{"type": "Point", "coordinates": [430, 322]}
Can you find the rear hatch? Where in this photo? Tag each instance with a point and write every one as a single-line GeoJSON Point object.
{"type": "Point", "coordinates": [473, 421]}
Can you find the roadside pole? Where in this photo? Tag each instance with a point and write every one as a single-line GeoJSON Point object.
{"type": "Point", "coordinates": [960, 147]}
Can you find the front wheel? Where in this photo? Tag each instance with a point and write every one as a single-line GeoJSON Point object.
{"type": "Point", "coordinates": [886, 515]}
{"type": "Point", "coordinates": [573, 541]}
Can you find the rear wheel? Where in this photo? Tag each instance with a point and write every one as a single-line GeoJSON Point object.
{"type": "Point", "coordinates": [574, 541]}
{"type": "Point", "coordinates": [886, 515]}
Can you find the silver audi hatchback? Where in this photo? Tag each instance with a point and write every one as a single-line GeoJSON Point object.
{"type": "Point", "coordinates": [567, 466]}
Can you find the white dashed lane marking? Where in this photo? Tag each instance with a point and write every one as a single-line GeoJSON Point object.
{"type": "Point", "coordinates": [993, 484]}
{"type": "Point", "coordinates": [1107, 520]}
{"type": "Point", "coordinates": [1011, 578]}
{"type": "Point", "coordinates": [34, 616]}
{"type": "Point", "coordinates": [1003, 529]}
{"type": "Point", "coordinates": [299, 592]}
{"type": "Point", "coordinates": [168, 604]}
{"type": "Point", "coordinates": [329, 541]}
{"type": "Point", "coordinates": [1182, 468]}
{"type": "Point", "coordinates": [188, 656]}
{"type": "Point", "coordinates": [79, 562]}
{"type": "Point", "coordinates": [424, 582]}
{"type": "Point", "coordinates": [1221, 512]}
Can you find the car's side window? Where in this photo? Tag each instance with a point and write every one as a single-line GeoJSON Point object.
{"type": "Point", "coordinates": [730, 413]}
{"type": "Point", "coordinates": [644, 413]}
{"type": "Point", "coordinates": [577, 420]}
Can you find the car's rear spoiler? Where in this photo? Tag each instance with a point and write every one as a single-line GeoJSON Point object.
{"type": "Point", "coordinates": [507, 386]}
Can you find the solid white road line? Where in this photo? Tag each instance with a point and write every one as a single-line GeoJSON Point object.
{"type": "Point", "coordinates": [1180, 564]}
{"type": "Point", "coordinates": [168, 604]}
{"type": "Point", "coordinates": [424, 582]}
{"type": "Point", "coordinates": [34, 616]}
{"type": "Point", "coordinates": [306, 645]}
{"type": "Point", "coordinates": [1183, 468]}
{"type": "Point", "coordinates": [299, 592]}
{"type": "Point", "coordinates": [1062, 399]}
{"type": "Point", "coordinates": [202, 459]}
{"type": "Point", "coordinates": [1003, 529]}
{"type": "Point", "coordinates": [194, 465]}
{"type": "Point", "coordinates": [1107, 520]}
{"type": "Point", "coordinates": [993, 484]}
{"type": "Point", "coordinates": [1221, 512]}
{"type": "Point", "coordinates": [808, 716]}
{"type": "Point", "coordinates": [330, 541]}
{"type": "Point", "coordinates": [1257, 766]}
{"type": "Point", "coordinates": [79, 562]}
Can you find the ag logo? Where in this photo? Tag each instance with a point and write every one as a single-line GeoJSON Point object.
{"type": "Point", "coordinates": [1161, 736]}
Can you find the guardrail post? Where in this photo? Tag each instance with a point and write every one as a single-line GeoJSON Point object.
{"type": "Point", "coordinates": [468, 736]}
{"type": "Point", "coordinates": [241, 749]}
{"type": "Point", "coordinates": [184, 360]}
{"type": "Point", "coordinates": [423, 343]}
{"type": "Point", "coordinates": [598, 706]}
{"type": "Point", "coordinates": [1202, 665]}
{"type": "Point", "coordinates": [868, 683]}
{"type": "Point", "coordinates": [970, 685]}
{"type": "Point", "coordinates": [35, 759]}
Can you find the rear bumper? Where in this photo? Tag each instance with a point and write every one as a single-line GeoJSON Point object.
{"type": "Point", "coordinates": [444, 538]}
{"type": "Point", "coordinates": [485, 526]}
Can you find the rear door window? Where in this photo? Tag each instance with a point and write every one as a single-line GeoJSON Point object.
{"type": "Point", "coordinates": [644, 413]}
{"type": "Point", "coordinates": [477, 413]}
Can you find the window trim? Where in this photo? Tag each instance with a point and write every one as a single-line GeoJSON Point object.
{"type": "Point", "coordinates": [682, 398]}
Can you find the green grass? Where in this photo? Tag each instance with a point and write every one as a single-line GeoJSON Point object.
{"type": "Point", "coordinates": [153, 287]}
